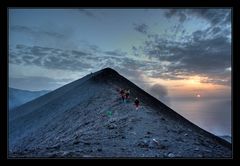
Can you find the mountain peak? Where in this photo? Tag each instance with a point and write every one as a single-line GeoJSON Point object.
{"type": "Point", "coordinates": [106, 74]}
{"type": "Point", "coordinates": [108, 70]}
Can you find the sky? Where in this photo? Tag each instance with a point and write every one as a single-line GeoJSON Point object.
{"type": "Point", "coordinates": [175, 54]}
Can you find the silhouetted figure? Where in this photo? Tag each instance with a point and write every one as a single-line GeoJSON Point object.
{"type": "Point", "coordinates": [136, 103]}
{"type": "Point", "coordinates": [127, 93]}
{"type": "Point", "coordinates": [122, 94]}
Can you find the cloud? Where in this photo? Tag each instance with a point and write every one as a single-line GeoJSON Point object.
{"type": "Point", "coordinates": [94, 48]}
{"type": "Point", "coordinates": [131, 63]}
{"type": "Point", "coordinates": [206, 53]}
{"type": "Point", "coordinates": [79, 54]}
{"type": "Point", "coordinates": [21, 29]}
{"type": "Point", "coordinates": [220, 78]}
{"type": "Point", "coordinates": [87, 12]}
{"type": "Point", "coordinates": [134, 75]}
{"type": "Point", "coordinates": [178, 13]}
{"type": "Point", "coordinates": [91, 57]}
{"type": "Point", "coordinates": [50, 58]}
{"type": "Point", "coordinates": [36, 31]}
{"type": "Point", "coordinates": [54, 37]}
{"type": "Point", "coordinates": [142, 28]}
{"type": "Point", "coordinates": [213, 16]}
{"type": "Point", "coordinates": [116, 53]}
{"type": "Point", "coordinates": [135, 71]}
{"type": "Point", "coordinates": [159, 91]}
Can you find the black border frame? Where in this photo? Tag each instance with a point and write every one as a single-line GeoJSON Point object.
{"type": "Point", "coordinates": [234, 4]}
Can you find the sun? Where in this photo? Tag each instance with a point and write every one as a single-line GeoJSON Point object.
{"type": "Point", "coordinates": [198, 95]}
{"type": "Point", "coordinates": [194, 81]}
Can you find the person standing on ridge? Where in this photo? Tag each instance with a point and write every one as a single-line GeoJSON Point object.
{"type": "Point", "coordinates": [122, 94]}
{"type": "Point", "coordinates": [127, 93]}
{"type": "Point", "coordinates": [136, 103]}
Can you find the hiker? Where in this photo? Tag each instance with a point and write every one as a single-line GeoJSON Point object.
{"type": "Point", "coordinates": [122, 94]}
{"type": "Point", "coordinates": [136, 103]}
{"type": "Point", "coordinates": [127, 93]}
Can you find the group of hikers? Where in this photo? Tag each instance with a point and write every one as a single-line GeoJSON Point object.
{"type": "Point", "coordinates": [125, 95]}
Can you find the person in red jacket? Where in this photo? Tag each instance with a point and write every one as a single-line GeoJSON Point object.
{"type": "Point", "coordinates": [136, 103]}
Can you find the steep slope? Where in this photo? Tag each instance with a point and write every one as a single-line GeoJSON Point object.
{"type": "Point", "coordinates": [18, 97]}
{"type": "Point", "coordinates": [87, 118]}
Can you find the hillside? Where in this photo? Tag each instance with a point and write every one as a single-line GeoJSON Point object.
{"type": "Point", "coordinates": [87, 118]}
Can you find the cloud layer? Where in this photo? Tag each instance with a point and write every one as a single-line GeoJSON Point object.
{"type": "Point", "coordinates": [213, 16]}
{"type": "Point", "coordinates": [35, 31]}
{"type": "Point", "coordinates": [142, 28]}
{"type": "Point", "coordinates": [205, 52]}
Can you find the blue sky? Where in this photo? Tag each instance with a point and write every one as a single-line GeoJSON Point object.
{"type": "Point", "coordinates": [174, 54]}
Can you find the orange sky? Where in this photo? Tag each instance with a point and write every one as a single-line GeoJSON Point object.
{"type": "Point", "coordinates": [191, 86]}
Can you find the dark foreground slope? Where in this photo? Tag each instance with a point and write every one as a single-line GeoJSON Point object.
{"type": "Point", "coordinates": [87, 118]}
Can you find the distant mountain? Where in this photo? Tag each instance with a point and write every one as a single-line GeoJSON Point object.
{"type": "Point", "coordinates": [18, 97]}
{"type": "Point", "coordinates": [87, 118]}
